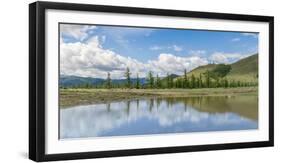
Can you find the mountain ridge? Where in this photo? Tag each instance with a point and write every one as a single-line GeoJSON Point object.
{"type": "Point", "coordinates": [245, 69]}
{"type": "Point", "coordinates": [72, 81]}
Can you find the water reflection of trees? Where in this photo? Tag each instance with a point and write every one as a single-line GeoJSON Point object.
{"type": "Point", "coordinates": [158, 102]}
{"type": "Point", "coordinates": [108, 107]}
{"type": "Point", "coordinates": [128, 104]}
{"type": "Point", "coordinates": [151, 104]}
{"type": "Point", "coordinates": [138, 103]}
{"type": "Point", "coordinates": [167, 111]}
{"type": "Point", "coordinates": [246, 106]}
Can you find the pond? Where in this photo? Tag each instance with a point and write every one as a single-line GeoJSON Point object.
{"type": "Point", "coordinates": [160, 116]}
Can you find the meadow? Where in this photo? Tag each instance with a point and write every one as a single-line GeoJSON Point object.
{"type": "Point", "coordinates": [72, 97]}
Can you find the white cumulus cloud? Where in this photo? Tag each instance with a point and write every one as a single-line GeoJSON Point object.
{"type": "Point", "coordinates": [169, 63]}
{"type": "Point", "coordinates": [79, 32]}
{"type": "Point", "coordinates": [92, 60]}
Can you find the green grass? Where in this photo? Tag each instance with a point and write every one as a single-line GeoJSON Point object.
{"type": "Point", "coordinates": [245, 66]}
{"type": "Point", "coordinates": [244, 70]}
{"type": "Point", "coordinates": [72, 97]}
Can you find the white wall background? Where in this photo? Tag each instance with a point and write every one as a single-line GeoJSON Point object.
{"type": "Point", "coordinates": [14, 79]}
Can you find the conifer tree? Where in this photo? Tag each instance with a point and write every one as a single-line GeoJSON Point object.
{"type": "Point", "coordinates": [128, 77]}
{"type": "Point", "coordinates": [108, 81]}
{"type": "Point", "coordinates": [185, 79]}
{"type": "Point", "coordinates": [208, 79]}
{"type": "Point", "coordinates": [150, 79]}
{"type": "Point", "coordinates": [158, 82]}
{"type": "Point", "coordinates": [138, 82]}
{"type": "Point", "coordinates": [192, 83]}
{"type": "Point", "coordinates": [200, 81]}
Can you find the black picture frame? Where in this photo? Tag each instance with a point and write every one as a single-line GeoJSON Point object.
{"type": "Point", "coordinates": [37, 80]}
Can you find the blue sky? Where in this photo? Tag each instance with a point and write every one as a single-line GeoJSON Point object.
{"type": "Point", "coordinates": [153, 46]}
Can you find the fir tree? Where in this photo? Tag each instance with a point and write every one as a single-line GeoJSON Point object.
{"type": "Point", "coordinates": [150, 79]}
{"type": "Point", "coordinates": [108, 81]}
{"type": "Point", "coordinates": [128, 77]}
{"type": "Point", "coordinates": [138, 82]}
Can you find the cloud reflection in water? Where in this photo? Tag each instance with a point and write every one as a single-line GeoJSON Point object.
{"type": "Point", "coordinates": [152, 116]}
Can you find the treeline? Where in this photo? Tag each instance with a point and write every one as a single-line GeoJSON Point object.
{"type": "Point", "coordinates": [209, 79]}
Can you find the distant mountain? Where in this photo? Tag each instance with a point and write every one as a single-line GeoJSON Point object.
{"type": "Point", "coordinates": [70, 81]}
{"type": "Point", "coordinates": [172, 76]}
{"type": "Point", "coordinates": [245, 66]}
{"type": "Point", "coordinates": [245, 69]}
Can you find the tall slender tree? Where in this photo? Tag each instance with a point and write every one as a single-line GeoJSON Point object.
{"type": "Point", "coordinates": [200, 81]}
{"type": "Point", "coordinates": [150, 79]}
{"type": "Point", "coordinates": [171, 81]}
{"type": "Point", "coordinates": [208, 79]}
{"type": "Point", "coordinates": [179, 83]}
{"type": "Point", "coordinates": [138, 82]}
{"type": "Point", "coordinates": [226, 83]}
{"type": "Point", "coordinates": [193, 84]}
{"type": "Point", "coordinates": [158, 82]}
{"type": "Point", "coordinates": [108, 81]}
{"type": "Point", "coordinates": [187, 83]}
{"type": "Point", "coordinates": [185, 79]}
{"type": "Point", "coordinates": [128, 77]}
{"type": "Point", "coordinates": [197, 83]}
{"type": "Point", "coordinates": [167, 81]}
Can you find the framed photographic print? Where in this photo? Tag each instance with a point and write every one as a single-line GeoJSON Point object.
{"type": "Point", "coordinates": [118, 81]}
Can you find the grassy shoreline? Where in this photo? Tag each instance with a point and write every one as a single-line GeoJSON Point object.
{"type": "Point", "coordinates": [72, 97]}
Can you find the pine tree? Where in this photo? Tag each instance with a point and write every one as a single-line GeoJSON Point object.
{"type": "Point", "coordinates": [150, 79]}
{"type": "Point", "coordinates": [197, 83]}
{"type": "Point", "coordinates": [158, 82]}
{"type": "Point", "coordinates": [200, 81]}
{"type": "Point", "coordinates": [178, 83]}
{"type": "Point", "coordinates": [238, 83]}
{"type": "Point", "coordinates": [185, 79]}
{"type": "Point", "coordinates": [187, 83]}
{"type": "Point", "coordinates": [128, 77]}
{"type": "Point", "coordinates": [108, 81]}
{"type": "Point", "coordinates": [217, 83]}
{"type": "Point", "coordinates": [170, 81]}
{"type": "Point", "coordinates": [226, 84]}
{"type": "Point", "coordinates": [138, 82]}
{"type": "Point", "coordinates": [168, 85]}
{"type": "Point", "coordinates": [192, 84]}
{"type": "Point", "coordinates": [208, 79]}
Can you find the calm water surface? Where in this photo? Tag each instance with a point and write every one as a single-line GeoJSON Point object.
{"type": "Point", "coordinates": [160, 115]}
